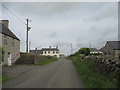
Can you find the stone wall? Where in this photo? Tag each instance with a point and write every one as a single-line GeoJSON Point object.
{"type": "Point", "coordinates": [28, 58]}
{"type": "Point", "coordinates": [11, 46]}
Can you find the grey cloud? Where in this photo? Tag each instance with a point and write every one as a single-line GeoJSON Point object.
{"type": "Point", "coordinates": [41, 8]}
{"type": "Point", "coordinates": [65, 47]}
{"type": "Point", "coordinates": [81, 42]}
{"type": "Point", "coordinates": [44, 32]}
{"type": "Point", "coordinates": [104, 31]}
{"type": "Point", "coordinates": [109, 11]}
{"type": "Point", "coordinates": [93, 44]}
{"type": "Point", "coordinates": [100, 42]}
{"type": "Point", "coordinates": [53, 35]}
{"type": "Point", "coordinates": [109, 31]}
{"type": "Point", "coordinates": [98, 39]}
{"type": "Point", "coordinates": [97, 35]}
{"type": "Point", "coordinates": [58, 43]}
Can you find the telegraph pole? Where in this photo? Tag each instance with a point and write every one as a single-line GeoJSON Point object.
{"type": "Point", "coordinates": [89, 44]}
{"type": "Point", "coordinates": [71, 48]}
{"type": "Point", "coordinates": [29, 46]}
{"type": "Point", "coordinates": [28, 29]}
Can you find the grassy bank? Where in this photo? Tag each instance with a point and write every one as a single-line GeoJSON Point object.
{"type": "Point", "coordinates": [43, 62]}
{"type": "Point", "coordinates": [3, 79]}
{"type": "Point", "coordinates": [90, 77]}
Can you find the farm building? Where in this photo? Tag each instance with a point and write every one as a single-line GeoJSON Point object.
{"type": "Point", "coordinates": [10, 44]}
{"type": "Point", "coordinates": [112, 49]}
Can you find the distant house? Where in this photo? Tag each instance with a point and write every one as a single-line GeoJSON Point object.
{"type": "Point", "coordinates": [112, 48]}
{"type": "Point", "coordinates": [54, 52]}
{"type": "Point", "coordinates": [62, 55]}
{"type": "Point", "coordinates": [94, 51]}
{"type": "Point", "coordinates": [10, 43]}
{"type": "Point", "coordinates": [36, 51]}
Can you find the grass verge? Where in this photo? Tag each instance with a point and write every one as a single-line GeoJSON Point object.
{"type": "Point", "coordinates": [43, 62]}
{"type": "Point", "coordinates": [3, 79]}
{"type": "Point", "coordinates": [91, 78]}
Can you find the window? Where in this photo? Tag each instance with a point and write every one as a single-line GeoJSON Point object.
{"type": "Point", "coordinates": [105, 53]}
{"type": "Point", "coordinates": [5, 39]}
{"type": "Point", "coordinates": [53, 51]}
{"type": "Point", "coordinates": [56, 51]}
{"type": "Point", "coordinates": [13, 42]}
{"type": "Point", "coordinates": [49, 52]}
{"type": "Point", "coordinates": [45, 52]}
{"type": "Point", "coordinates": [55, 55]}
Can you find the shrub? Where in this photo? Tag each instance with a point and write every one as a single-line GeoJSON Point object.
{"type": "Point", "coordinates": [84, 51]}
{"type": "Point", "coordinates": [2, 52]}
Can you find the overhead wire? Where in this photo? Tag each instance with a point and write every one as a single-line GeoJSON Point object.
{"type": "Point", "coordinates": [18, 18]}
{"type": "Point", "coordinates": [13, 13]}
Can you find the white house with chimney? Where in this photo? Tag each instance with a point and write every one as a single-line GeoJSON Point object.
{"type": "Point", "coordinates": [54, 52]}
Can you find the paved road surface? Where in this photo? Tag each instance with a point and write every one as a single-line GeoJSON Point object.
{"type": "Point", "coordinates": [58, 74]}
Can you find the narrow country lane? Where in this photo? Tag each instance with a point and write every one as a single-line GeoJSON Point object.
{"type": "Point", "coordinates": [58, 74]}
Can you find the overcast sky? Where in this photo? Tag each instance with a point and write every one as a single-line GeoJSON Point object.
{"type": "Point", "coordinates": [62, 23]}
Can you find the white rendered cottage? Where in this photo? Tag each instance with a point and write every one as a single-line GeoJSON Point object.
{"type": "Point", "coordinates": [54, 52]}
{"type": "Point", "coordinates": [51, 52]}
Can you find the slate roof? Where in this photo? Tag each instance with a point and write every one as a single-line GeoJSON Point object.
{"type": "Point", "coordinates": [50, 49]}
{"type": "Point", "coordinates": [36, 51]}
{"type": "Point", "coordinates": [101, 49]}
{"type": "Point", "coordinates": [7, 32]}
{"type": "Point", "coordinates": [114, 44]}
{"type": "Point", "coordinates": [93, 49]}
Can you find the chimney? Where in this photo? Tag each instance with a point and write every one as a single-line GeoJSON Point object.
{"type": "Point", "coordinates": [5, 23]}
{"type": "Point", "coordinates": [49, 46]}
{"type": "Point", "coordinates": [36, 49]}
{"type": "Point", "coordinates": [57, 47]}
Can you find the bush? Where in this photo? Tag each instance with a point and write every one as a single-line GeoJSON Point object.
{"type": "Point", "coordinates": [2, 52]}
{"type": "Point", "coordinates": [83, 51]}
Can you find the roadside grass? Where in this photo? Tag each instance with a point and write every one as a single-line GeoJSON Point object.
{"type": "Point", "coordinates": [43, 62]}
{"type": "Point", "coordinates": [91, 78]}
{"type": "Point", "coordinates": [4, 79]}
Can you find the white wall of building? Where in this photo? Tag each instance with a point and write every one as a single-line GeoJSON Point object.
{"type": "Point", "coordinates": [51, 53]}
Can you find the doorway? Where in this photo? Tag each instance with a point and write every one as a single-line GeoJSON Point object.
{"type": "Point", "coordinates": [9, 59]}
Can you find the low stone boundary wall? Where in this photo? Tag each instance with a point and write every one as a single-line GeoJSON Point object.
{"type": "Point", "coordinates": [28, 58]}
